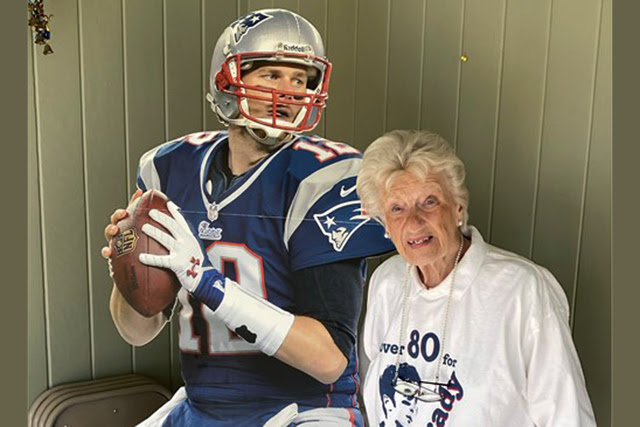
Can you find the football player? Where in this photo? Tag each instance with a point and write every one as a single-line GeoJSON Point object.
{"type": "Point", "coordinates": [267, 239]}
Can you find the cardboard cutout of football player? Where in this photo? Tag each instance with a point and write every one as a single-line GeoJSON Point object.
{"type": "Point", "coordinates": [267, 239]}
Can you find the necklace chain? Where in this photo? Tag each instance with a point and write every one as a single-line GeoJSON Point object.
{"type": "Point", "coordinates": [403, 321]}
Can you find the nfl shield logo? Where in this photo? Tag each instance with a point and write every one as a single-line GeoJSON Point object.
{"type": "Point", "coordinates": [126, 241]}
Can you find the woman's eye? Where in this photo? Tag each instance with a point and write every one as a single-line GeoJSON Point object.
{"type": "Point", "coordinates": [431, 202]}
{"type": "Point", "coordinates": [395, 209]}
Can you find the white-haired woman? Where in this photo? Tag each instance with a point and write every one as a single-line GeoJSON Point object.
{"type": "Point", "coordinates": [458, 332]}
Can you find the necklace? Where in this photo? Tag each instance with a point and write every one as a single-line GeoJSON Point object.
{"type": "Point", "coordinates": [403, 321]}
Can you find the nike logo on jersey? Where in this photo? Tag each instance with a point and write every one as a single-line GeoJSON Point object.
{"type": "Point", "coordinates": [345, 192]}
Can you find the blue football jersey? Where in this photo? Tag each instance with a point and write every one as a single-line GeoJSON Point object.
{"type": "Point", "coordinates": [297, 208]}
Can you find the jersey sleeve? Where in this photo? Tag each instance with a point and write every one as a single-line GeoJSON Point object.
{"type": "Point", "coordinates": [332, 294]}
{"type": "Point", "coordinates": [148, 176]}
{"type": "Point", "coordinates": [556, 390]}
{"type": "Point", "coordinates": [325, 222]}
{"type": "Point", "coordinates": [173, 158]}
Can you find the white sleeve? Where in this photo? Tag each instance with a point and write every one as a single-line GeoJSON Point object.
{"type": "Point", "coordinates": [556, 390]}
{"type": "Point", "coordinates": [148, 176]}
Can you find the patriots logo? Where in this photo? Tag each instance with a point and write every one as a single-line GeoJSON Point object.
{"type": "Point", "coordinates": [340, 223]}
{"type": "Point", "coordinates": [242, 27]}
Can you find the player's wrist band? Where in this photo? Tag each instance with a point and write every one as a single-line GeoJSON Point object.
{"type": "Point", "coordinates": [251, 317]}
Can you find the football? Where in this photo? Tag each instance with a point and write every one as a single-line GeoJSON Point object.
{"type": "Point", "coordinates": [149, 290]}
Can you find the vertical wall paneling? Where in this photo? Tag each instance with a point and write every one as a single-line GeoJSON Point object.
{"type": "Point", "coordinates": [216, 19]}
{"type": "Point", "coordinates": [405, 62]}
{"type": "Point", "coordinates": [441, 67]}
{"type": "Point", "coordinates": [260, 4]}
{"type": "Point", "coordinates": [519, 139]}
{"type": "Point", "coordinates": [242, 7]}
{"type": "Point", "coordinates": [565, 134]}
{"type": "Point", "coordinates": [316, 13]}
{"type": "Point", "coordinates": [291, 5]}
{"type": "Point", "coordinates": [592, 314]}
{"type": "Point", "coordinates": [63, 204]}
{"type": "Point", "coordinates": [371, 72]}
{"type": "Point", "coordinates": [37, 361]}
{"type": "Point", "coordinates": [341, 34]}
{"type": "Point", "coordinates": [105, 165]}
{"type": "Point", "coordinates": [144, 80]}
{"type": "Point", "coordinates": [183, 62]}
{"type": "Point", "coordinates": [480, 87]}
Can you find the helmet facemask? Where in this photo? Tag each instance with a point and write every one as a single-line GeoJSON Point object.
{"type": "Point", "coordinates": [277, 128]}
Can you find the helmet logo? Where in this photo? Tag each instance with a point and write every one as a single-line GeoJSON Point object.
{"type": "Point", "coordinates": [242, 26]}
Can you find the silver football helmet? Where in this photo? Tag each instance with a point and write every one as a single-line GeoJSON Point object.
{"type": "Point", "coordinates": [275, 36]}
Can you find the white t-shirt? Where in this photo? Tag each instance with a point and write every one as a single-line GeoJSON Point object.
{"type": "Point", "coordinates": [508, 359]}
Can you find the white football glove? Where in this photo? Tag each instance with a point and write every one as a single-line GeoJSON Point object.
{"type": "Point", "coordinates": [185, 256]}
{"type": "Point", "coordinates": [253, 318]}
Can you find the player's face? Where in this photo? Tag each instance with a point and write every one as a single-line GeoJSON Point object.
{"type": "Point", "coordinates": [282, 77]}
{"type": "Point", "coordinates": [421, 217]}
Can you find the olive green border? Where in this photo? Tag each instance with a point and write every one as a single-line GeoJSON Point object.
{"type": "Point", "coordinates": [625, 229]}
{"type": "Point", "coordinates": [13, 174]}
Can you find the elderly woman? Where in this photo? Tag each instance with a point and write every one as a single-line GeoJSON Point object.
{"type": "Point", "coordinates": [458, 332]}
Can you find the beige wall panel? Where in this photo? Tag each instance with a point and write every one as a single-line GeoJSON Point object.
{"type": "Point", "coordinates": [405, 64]}
{"type": "Point", "coordinates": [63, 203]}
{"type": "Point", "coordinates": [341, 46]}
{"type": "Point", "coordinates": [242, 7]}
{"type": "Point", "coordinates": [144, 79]}
{"type": "Point", "coordinates": [592, 315]}
{"type": "Point", "coordinates": [145, 89]}
{"type": "Point", "coordinates": [565, 137]}
{"type": "Point", "coordinates": [105, 157]}
{"type": "Point", "coordinates": [519, 128]}
{"type": "Point", "coordinates": [441, 67]}
{"type": "Point", "coordinates": [479, 91]}
{"type": "Point", "coordinates": [259, 4]}
{"type": "Point", "coordinates": [291, 5]}
{"type": "Point", "coordinates": [315, 11]}
{"type": "Point", "coordinates": [37, 360]}
{"type": "Point", "coordinates": [183, 62]}
{"type": "Point", "coordinates": [371, 71]}
{"type": "Point", "coordinates": [217, 16]}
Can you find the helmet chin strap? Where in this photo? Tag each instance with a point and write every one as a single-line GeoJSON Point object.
{"type": "Point", "coordinates": [268, 136]}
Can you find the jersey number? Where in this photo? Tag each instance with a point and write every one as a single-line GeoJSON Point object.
{"type": "Point", "coordinates": [327, 151]}
{"type": "Point", "coordinates": [249, 274]}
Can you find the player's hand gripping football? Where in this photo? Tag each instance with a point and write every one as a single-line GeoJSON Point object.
{"type": "Point", "coordinates": [111, 230]}
{"type": "Point", "coordinates": [185, 257]}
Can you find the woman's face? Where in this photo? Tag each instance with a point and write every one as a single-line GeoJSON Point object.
{"type": "Point", "coordinates": [421, 217]}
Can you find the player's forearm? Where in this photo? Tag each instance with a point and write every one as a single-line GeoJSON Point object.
{"type": "Point", "coordinates": [134, 328]}
{"type": "Point", "coordinates": [310, 348]}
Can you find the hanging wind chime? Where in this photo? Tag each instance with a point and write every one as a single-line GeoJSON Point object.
{"type": "Point", "coordinates": [39, 23]}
